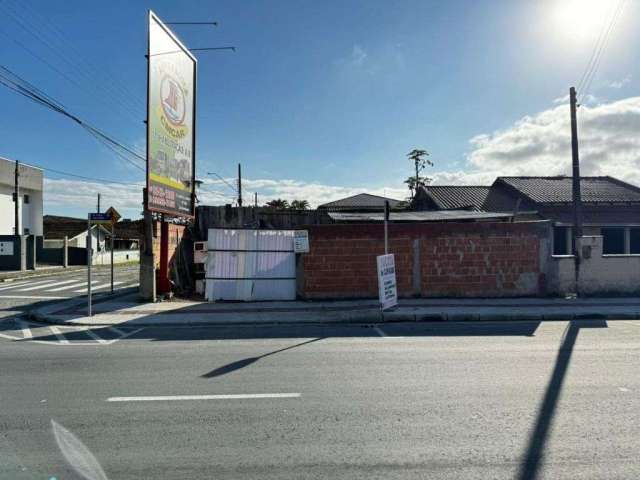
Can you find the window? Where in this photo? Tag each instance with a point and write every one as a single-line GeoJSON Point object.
{"type": "Point", "coordinates": [25, 199]}
{"type": "Point", "coordinates": [560, 244]}
{"type": "Point", "coordinates": [612, 240]}
{"type": "Point", "coordinates": [634, 240]}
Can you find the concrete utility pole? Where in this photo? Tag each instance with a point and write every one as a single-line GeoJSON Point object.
{"type": "Point", "coordinates": [239, 185]}
{"type": "Point", "coordinates": [240, 220]}
{"type": "Point", "coordinates": [16, 205]}
{"type": "Point", "coordinates": [577, 197]}
{"type": "Point", "coordinates": [255, 194]}
{"type": "Point", "coordinates": [98, 203]}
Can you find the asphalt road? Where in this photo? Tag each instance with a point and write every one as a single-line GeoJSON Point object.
{"type": "Point", "coordinates": [463, 401]}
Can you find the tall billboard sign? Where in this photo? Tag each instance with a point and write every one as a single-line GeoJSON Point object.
{"type": "Point", "coordinates": [171, 106]}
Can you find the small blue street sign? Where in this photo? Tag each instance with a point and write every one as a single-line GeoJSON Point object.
{"type": "Point", "coordinates": [100, 217]}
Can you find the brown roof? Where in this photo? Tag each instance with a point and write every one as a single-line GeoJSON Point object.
{"type": "Point", "coordinates": [360, 201]}
{"type": "Point", "coordinates": [57, 227]}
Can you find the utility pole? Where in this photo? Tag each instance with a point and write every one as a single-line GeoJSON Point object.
{"type": "Point", "coordinates": [98, 203]}
{"type": "Point", "coordinates": [240, 220]}
{"type": "Point", "coordinates": [16, 196]}
{"type": "Point", "coordinates": [577, 198]}
{"type": "Point", "coordinates": [239, 185]}
{"type": "Point", "coordinates": [255, 194]}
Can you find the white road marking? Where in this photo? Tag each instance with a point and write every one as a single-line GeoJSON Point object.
{"type": "Point", "coordinates": [37, 297]}
{"type": "Point", "coordinates": [123, 334]}
{"type": "Point", "coordinates": [623, 389]}
{"type": "Point", "coordinates": [107, 285]}
{"type": "Point", "coordinates": [77, 284]}
{"type": "Point", "coordinates": [22, 284]}
{"type": "Point", "coordinates": [379, 331]}
{"type": "Point", "coordinates": [89, 332]}
{"type": "Point", "coordinates": [26, 331]}
{"type": "Point", "coordinates": [84, 290]}
{"type": "Point", "coordinates": [55, 284]}
{"type": "Point", "coordinates": [202, 397]}
{"type": "Point", "coordinates": [56, 331]}
{"type": "Point", "coordinates": [42, 286]}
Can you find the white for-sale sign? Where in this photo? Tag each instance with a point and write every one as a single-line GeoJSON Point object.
{"type": "Point", "coordinates": [387, 291]}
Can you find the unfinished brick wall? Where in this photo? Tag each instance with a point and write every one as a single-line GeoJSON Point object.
{"type": "Point", "coordinates": [432, 260]}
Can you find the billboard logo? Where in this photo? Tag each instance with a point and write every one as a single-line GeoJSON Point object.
{"type": "Point", "coordinates": [173, 101]}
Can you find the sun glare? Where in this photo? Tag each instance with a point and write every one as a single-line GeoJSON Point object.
{"type": "Point", "coordinates": [581, 20]}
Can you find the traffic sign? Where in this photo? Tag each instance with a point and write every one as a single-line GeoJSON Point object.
{"type": "Point", "coordinates": [115, 216]}
{"type": "Point", "coordinates": [100, 218]}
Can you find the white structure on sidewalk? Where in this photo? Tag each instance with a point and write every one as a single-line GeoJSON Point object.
{"type": "Point", "coordinates": [29, 201]}
{"type": "Point", "coordinates": [250, 265]}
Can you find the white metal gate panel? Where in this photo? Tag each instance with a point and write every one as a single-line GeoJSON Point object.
{"type": "Point", "coordinates": [250, 265]}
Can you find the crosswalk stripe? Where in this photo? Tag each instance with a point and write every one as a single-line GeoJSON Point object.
{"type": "Point", "coordinates": [45, 285]}
{"type": "Point", "coordinates": [66, 287]}
{"type": "Point", "coordinates": [84, 290]}
{"type": "Point", "coordinates": [26, 331]}
{"type": "Point", "coordinates": [22, 284]}
{"type": "Point", "coordinates": [108, 285]}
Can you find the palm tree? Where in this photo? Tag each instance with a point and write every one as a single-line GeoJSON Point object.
{"type": "Point", "coordinates": [299, 205]}
{"type": "Point", "coordinates": [278, 204]}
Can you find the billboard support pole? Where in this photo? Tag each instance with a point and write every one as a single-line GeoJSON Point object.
{"type": "Point", "coordinates": [163, 286]}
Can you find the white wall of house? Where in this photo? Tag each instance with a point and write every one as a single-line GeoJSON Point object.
{"type": "Point", "coordinates": [599, 274]}
{"type": "Point", "coordinates": [29, 202]}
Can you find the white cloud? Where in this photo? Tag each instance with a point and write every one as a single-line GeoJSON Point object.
{"type": "Point", "coordinates": [540, 145]}
{"type": "Point", "coordinates": [81, 196]}
{"type": "Point", "coordinates": [358, 55]}
{"type": "Point", "coordinates": [620, 83]}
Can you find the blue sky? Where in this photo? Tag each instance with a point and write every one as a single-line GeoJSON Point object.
{"type": "Point", "coordinates": [321, 99]}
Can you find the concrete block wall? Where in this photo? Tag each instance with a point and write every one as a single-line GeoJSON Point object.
{"type": "Point", "coordinates": [432, 260]}
{"type": "Point", "coordinates": [599, 274]}
{"type": "Point", "coordinates": [175, 237]}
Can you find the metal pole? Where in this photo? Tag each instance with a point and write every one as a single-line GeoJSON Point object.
{"type": "Point", "coordinates": [89, 265]}
{"type": "Point", "coordinates": [386, 227]}
{"type": "Point", "coordinates": [577, 197]}
{"type": "Point", "coordinates": [112, 234]}
{"type": "Point", "coordinates": [16, 205]}
{"type": "Point", "coordinates": [240, 220]}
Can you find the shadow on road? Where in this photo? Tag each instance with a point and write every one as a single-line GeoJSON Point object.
{"type": "Point", "coordinates": [245, 362]}
{"type": "Point", "coordinates": [534, 457]}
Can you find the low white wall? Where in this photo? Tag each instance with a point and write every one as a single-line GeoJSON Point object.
{"type": "Point", "coordinates": [119, 256]}
{"type": "Point", "coordinates": [599, 274]}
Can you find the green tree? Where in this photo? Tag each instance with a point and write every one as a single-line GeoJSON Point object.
{"type": "Point", "coordinates": [278, 204]}
{"type": "Point", "coordinates": [299, 205]}
{"type": "Point", "coordinates": [420, 162]}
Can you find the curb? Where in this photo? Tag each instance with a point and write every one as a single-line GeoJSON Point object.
{"type": "Point", "coordinates": [351, 318]}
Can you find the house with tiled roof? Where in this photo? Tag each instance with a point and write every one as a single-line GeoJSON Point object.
{"type": "Point", "coordinates": [361, 202]}
{"type": "Point", "coordinates": [610, 207]}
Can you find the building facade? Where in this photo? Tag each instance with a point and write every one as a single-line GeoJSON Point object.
{"type": "Point", "coordinates": [30, 181]}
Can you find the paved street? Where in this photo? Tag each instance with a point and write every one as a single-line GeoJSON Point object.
{"type": "Point", "coordinates": [428, 400]}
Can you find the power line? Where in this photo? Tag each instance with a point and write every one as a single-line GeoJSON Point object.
{"type": "Point", "coordinates": [38, 32]}
{"type": "Point", "coordinates": [234, 189]}
{"type": "Point", "coordinates": [599, 47]}
{"type": "Point", "coordinates": [28, 90]}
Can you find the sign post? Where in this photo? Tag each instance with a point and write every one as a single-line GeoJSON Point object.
{"type": "Point", "coordinates": [387, 289]}
{"type": "Point", "coordinates": [171, 123]}
{"type": "Point", "coordinates": [386, 227]}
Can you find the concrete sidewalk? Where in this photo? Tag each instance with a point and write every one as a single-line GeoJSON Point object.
{"type": "Point", "coordinates": [127, 310]}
